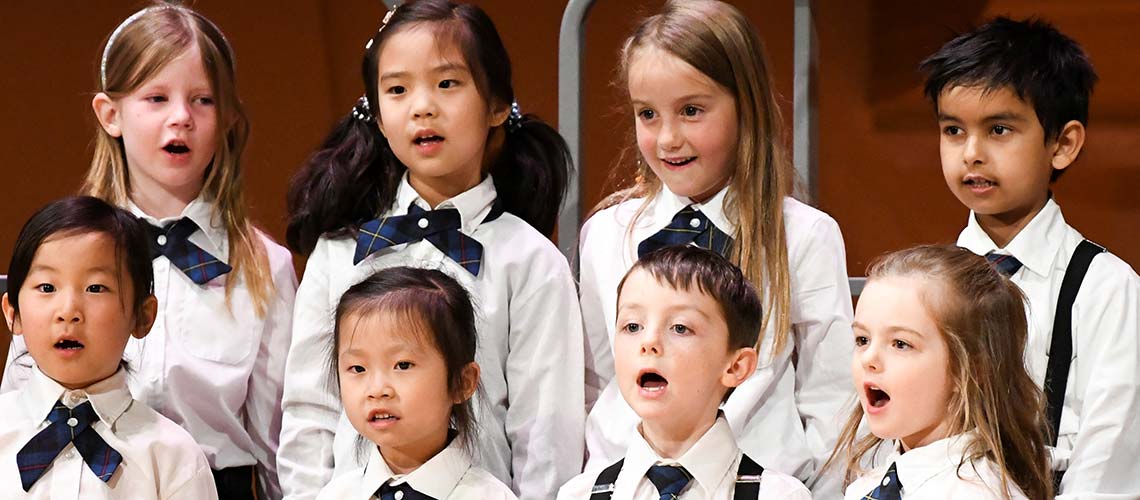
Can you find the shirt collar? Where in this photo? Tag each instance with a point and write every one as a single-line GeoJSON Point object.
{"type": "Point", "coordinates": [109, 397]}
{"type": "Point", "coordinates": [708, 460]}
{"type": "Point", "coordinates": [203, 214]}
{"type": "Point", "coordinates": [473, 205]}
{"type": "Point", "coordinates": [435, 478]}
{"type": "Point", "coordinates": [669, 203]}
{"type": "Point", "coordinates": [1035, 246]}
{"type": "Point", "coordinates": [919, 465]}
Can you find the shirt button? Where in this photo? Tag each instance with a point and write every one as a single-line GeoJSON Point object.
{"type": "Point", "coordinates": [400, 494]}
{"type": "Point", "coordinates": [886, 480]}
{"type": "Point", "coordinates": [423, 223]}
{"type": "Point", "coordinates": [695, 222]}
{"type": "Point", "coordinates": [68, 455]}
{"type": "Point", "coordinates": [72, 422]}
{"type": "Point", "coordinates": [161, 239]}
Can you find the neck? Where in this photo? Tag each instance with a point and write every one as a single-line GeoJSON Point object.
{"type": "Point", "coordinates": [1003, 227]}
{"type": "Point", "coordinates": [405, 459]}
{"type": "Point", "coordinates": [162, 203]}
{"type": "Point", "coordinates": [436, 190]}
{"type": "Point", "coordinates": [673, 441]}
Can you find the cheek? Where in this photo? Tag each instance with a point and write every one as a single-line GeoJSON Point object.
{"type": "Point", "coordinates": [646, 141]}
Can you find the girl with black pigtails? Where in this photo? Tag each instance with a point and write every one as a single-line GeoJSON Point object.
{"type": "Point", "coordinates": [436, 167]}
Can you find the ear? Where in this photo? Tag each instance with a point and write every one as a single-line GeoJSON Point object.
{"type": "Point", "coordinates": [146, 317]}
{"type": "Point", "coordinates": [470, 376]}
{"type": "Point", "coordinates": [10, 315]}
{"type": "Point", "coordinates": [1068, 145]}
{"type": "Point", "coordinates": [742, 365]}
{"type": "Point", "coordinates": [498, 116]}
{"type": "Point", "coordinates": [107, 112]}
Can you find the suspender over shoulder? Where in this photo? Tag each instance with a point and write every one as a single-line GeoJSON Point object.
{"type": "Point", "coordinates": [747, 480]}
{"type": "Point", "coordinates": [1061, 344]}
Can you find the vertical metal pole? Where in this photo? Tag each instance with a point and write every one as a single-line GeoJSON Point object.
{"type": "Point", "coordinates": [805, 137]}
{"type": "Point", "coordinates": [571, 46]}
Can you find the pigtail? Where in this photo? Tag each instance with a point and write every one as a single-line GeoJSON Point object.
{"type": "Point", "coordinates": [530, 172]}
{"type": "Point", "coordinates": [352, 177]}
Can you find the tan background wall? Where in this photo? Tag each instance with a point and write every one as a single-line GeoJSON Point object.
{"type": "Point", "coordinates": [298, 67]}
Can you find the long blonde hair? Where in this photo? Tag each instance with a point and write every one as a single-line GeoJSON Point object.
{"type": "Point", "coordinates": [141, 48]}
{"type": "Point", "coordinates": [719, 41]}
{"type": "Point", "coordinates": [981, 316]}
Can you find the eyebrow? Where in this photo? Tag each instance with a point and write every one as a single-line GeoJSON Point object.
{"type": "Point", "coordinates": [1004, 116]}
{"type": "Point", "coordinates": [689, 97]}
{"type": "Point", "coordinates": [442, 68]}
{"type": "Point", "coordinates": [890, 329]}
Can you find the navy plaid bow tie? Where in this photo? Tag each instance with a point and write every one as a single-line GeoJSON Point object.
{"type": "Point", "coordinates": [173, 241]}
{"type": "Point", "coordinates": [888, 489]}
{"type": "Point", "coordinates": [670, 480]}
{"type": "Point", "coordinates": [1005, 264]}
{"type": "Point", "coordinates": [440, 227]}
{"type": "Point", "coordinates": [402, 491]}
{"type": "Point", "coordinates": [688, 226]}
{"type": "Point", "coordinates": [67, 426]}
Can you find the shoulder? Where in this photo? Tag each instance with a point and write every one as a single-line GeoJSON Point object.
{"type": "Point", "coordinates": [280, 258]}
{"type": "Point", "coordinates": [779, 485]}
{"type": "Point", "coordinates": [606, 229]}
{"type": "Point", "coordinates": [579, 487]}
{"type": "Point", "coordinates": [342, 486]}
{"type": "Point", "coordinates": [978, 479]}
{"type": "Point", "coordinates": [513, 241]}
{"type": "Point", "coordinates": [166, 438]}
{"type": "Point", "coordinates": [803, 221]}
{"type": "Point", "coordinates": [1111, 273]}
{"type": "Point", "coordinates": [478, 483]}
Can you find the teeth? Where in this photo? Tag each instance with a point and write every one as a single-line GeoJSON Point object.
{"type": "Point", "coordinates": [653, 389]}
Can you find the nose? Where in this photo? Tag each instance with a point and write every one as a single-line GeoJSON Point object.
{"type": "Point", "coordinates": [181, 116]}
{"type": "Point", "coordinates": [670, 137]}
{"type": "Point", "coordinates": [70, 308]}
{"type": "Point", "coordinates": [972, 152]}
{"type": "Point", "coordinates": [651, 342]}
{"type": "Point", "coordinates": [380, 387]}
{"type": "Point", "coordinates": [869, 358]}
{"type": "Point", "coordinates": [424, 105]}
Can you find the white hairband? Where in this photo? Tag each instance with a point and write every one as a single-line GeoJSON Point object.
{"type": "Point", "coordinates": [115, 34]}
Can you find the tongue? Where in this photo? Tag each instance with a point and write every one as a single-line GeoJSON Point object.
{"type": "Point", "coordinates": [881, 399]}
{"type": "Point", "coordinates": [653, 381]}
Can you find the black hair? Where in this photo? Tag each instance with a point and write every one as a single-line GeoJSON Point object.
{"type": "Point", "coordinates": [1032, 58]}
{"type": "Point", "coordinates": [437, 306]}
{"type": "Point", "coordinates": [354, 175]}
{"type": "Point", "coordinates": [79, 215]}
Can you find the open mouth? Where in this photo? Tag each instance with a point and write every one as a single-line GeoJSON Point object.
{"type": "Point", "coordinates": [679, 162]}
{"type": "Point", "coordinates": [652, 381]}
{"type": "Point", "coordinates": [382, 416]}
{"type": "Point", "coordinates": [876, 397]}
{"type": "Point", "coordinates": [427, 139]}
{"type": "Point", "coordinates": [176, 147]}
{"type": "Point", "coordinates": [979, 182]}
{"type": "Point", "coordinates": [69, 345]}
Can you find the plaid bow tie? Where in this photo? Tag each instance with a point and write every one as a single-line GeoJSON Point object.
{"type": "Point", "coordinates": [889, 489]}
{"type": "Point", "coordinates": [688, 226]}
{"type": "Point", "coordinates": [670, 480]}
{"type": "Point", "coordinates": [1005, 264]}
{"type": "Point", "coordinates": [402, 491]}
{"type": "Point", "coordinates": [440, 227]}
{"type": "Point", "coordinates": [67, 426]}
{"type": "Point", "coordinates": [173, 241]}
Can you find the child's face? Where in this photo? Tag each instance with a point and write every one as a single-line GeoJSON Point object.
{"type": "Point", "coordinates": [686, 123]}
{"type": "Point", "coordinates": [672, 359]}
{"type": "Point", "coordinates": [75, 309]}
{"type": "Point", "coordinates": [394, 386]}
{"type": "Point", "coordinates": [432, 113]}
{"type": "Point", "coordinates": [994, 155]}
{"type": "Point", "coordinates": [901, 363]}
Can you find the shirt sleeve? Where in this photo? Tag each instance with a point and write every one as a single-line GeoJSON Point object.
{"type": "Point", "coordinates": [1106, 320]}
{"type": "Point", "coordinates": [198, 486]}
{"type": "Point", "coordinates": [263, 396]}
{"type": "Point", "coordinates": [310, 409]}
{"type": "Point", "coordinates": [822, 316]}
{"type": "Point", "coordinates": [18, 367]}
{"type": "Point", "coordinates": [544, 371]}
{"type": "Point", "coordinates": [599, 354]}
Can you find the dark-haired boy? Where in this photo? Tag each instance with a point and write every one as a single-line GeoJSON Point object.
{"type": "Point", "coordinates": [687, 321]}
{"type": "Point", "coordinates": [1012, 100]}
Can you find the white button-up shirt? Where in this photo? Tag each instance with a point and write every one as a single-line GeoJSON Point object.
{"type": "Point", "coordinates": [160, 459]}
{"type": "Point", "coordinates": [530, 351]}
{"type": "Point", "coordinates": [214, 369]}
{"type": "Point", "coordinates": [787, 415]}
{"type": "Point", "coordinates": [713, 462]}
{"type": "Point", "coordinates": [1099, 442]}
{"type": "Point", "coordinates": [448, 475]}
{"type": "Point", "coordinates": [936, 471]}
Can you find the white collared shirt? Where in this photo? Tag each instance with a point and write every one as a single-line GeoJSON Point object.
{"type": "Point", "coordinates": [160, 459]}
{"type": "Point", "coordinates": [215, 370]}
{"type": "Point", "coordinates": [787, 415]}
{"type": "Point", "coordinates": [713, 461]}
{"type": "Point", "coordinates": [448, 475]}
{"type": "Point", "coordinates": [933, 472]}
{"type": "Point", "coordinates": [1099, 442]}
{"type": "Point", "coordinates": [530, 352]}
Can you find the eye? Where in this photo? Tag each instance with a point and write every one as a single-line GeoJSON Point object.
{"type": "Point", "coordinates": [396, 90]}
{"type": "Point", "coordinates": [404, 365]}
{"type": "Point", "coordinates": [155, 98]}
{"type": "Point", "coordinates": [680, 329]}
{"type": "Point", "coordinates": [861, 340]}
{"type": "Point", "coordinates": [691, 111]}
{"type": "Point", "coordinates": [206, 100]}
{"type": "Point", "coordinates": [356, 369]}
{"type": "Point", "coordinates": [951, 130]}
{"type": "Point", "coordinates": [45, 288]}
{"type": "Point", "coordinates": [900, 344]}
{"type": "Point", "coordinates": [446, 84]}
{"type": "Point", "coordinates": [1001, 130]}
{"type": "Point", "coordinates": [646, 114]}
{"type": "Point", "coordinates": [631, 328]}
{"type": "Point", "coordinates": [97, 288]}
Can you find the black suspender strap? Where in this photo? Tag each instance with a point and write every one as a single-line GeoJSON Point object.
{"type": "Point", "coordinates": [1061, 345]}
{"type": "Point", "coordinates": [604, 487]}
{"type": "Point", "coordinates": [747, 480]}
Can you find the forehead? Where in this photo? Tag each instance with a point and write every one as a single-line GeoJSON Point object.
{"type": "Point", "coordinates": [418, 47]}
{"type": "Point", "coordinates": [77, 250]}
{"type": "Point", "coordinates": [897, 301]}
{"type": "Point", "coordinates": [381, 331]}
{"type": "Point", "coordinates": [655, 73]}
{"type": "Point", "coordinates": [962, 101]}
{"type": "Point", "coordinates": [643, 289]}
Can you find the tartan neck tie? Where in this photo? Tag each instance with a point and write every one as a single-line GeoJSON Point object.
{"type": "Point", "coordinates": [68, 425]}
{"type": "Point", "coordinates": [1005, 264]}
{"type": "Point", "coordinates": [689, 226]}
{"type": "Point", "coordinates": [439, 227]}
{"type": "Point", "coordinates": [889, 488]}
{"type": "Point", "coordinates": [670, 480]}
{"type": "Point", "coordinates": [173, 241]}
{"type": "Point", "coordinates": [402, 491]}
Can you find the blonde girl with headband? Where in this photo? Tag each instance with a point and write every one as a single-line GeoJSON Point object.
{"type": "Point", "coordinates": [437, 168]}
{"type": "Point", "coordinates": [712, 172]}
{"type": "Point", "coordinates": [939, 367]}
{"type": "Point", "coordinates": [168, 148]}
